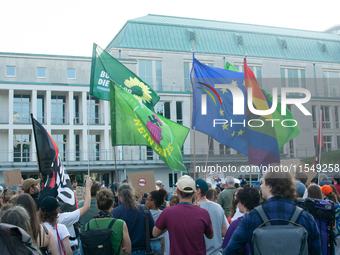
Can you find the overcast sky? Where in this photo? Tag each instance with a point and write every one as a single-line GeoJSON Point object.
{"type": "Point", "coordinates": [69, 27]}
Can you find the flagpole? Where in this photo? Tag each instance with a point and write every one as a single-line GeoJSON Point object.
{"type": "Point", "coordinates": [88, 134]}
{"type": "Point", "coordinates": [193, 77]}
{"type": "Point", "coordinates": [320, 139]}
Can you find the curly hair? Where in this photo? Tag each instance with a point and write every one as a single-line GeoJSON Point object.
{"type": "Point", "coordinates": [314, 191]}
{"type": "Point", "coordinates": [50, 217]}
{"type": "Point", "coordinates": [126, 194]}
{"type": "Point", "coordinates": [248, 197]}
{"type": "Point", "coordinates": [105, 199]}
{"type": "Point", "coordinates": [158, 196]}
{"type": "Point", "coordinates": [281, 183]}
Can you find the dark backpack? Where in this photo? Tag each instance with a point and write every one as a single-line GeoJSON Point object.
{"type": "Point", "coordinates": [324, 214]}
{"type": "Point", "coordinates": [280, 239]}
{"type": "Point", "coordinates": [15, 241]}
{"type": "Point", "coordinates": [97, 241]}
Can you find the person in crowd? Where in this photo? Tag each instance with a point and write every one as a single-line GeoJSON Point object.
{"type": "Point", "coordinates": [324, 180]}
{"type": "Point", "coordinates": [314, 181]}
{"type": "Point", "coordinates": [18, 216]}
{"type": "Point", "coordinates": [300, 191]}
{"type": "Point", "coordinates": [243, 181]}
{"type": "Point", "coordinates": [159, 184]}
{"type": "Point", "coordinates": [247, 199]}
{"type": "Point", "coordinates": [120, 239]}
{"type": "Point", "coordinates": [134, 216]}
{"type": "Point", "coordinates": [74, 185]}
{"type": "Point", "coordinates": [211, 195]}
{"type": "Point", "coordinates": [302, 177]}
{"type": "Point", "coordinates": [314, 191]}
{"type": "Point", "coordinates": [218, 219]}
{"type": "Point", "coordinates": [226, 196]}
{"type": "Point", "coordinates": [48, 213]}
{"type": "Point", "coordinates": [174, 200]}
{"type": "Point", "coordinates": [45, 241]}
{"type": "Point", "coordinates": [336, 181]}
{"type": "Point", "coordinates": [103, 184]}
{"type": "Point", "coordinates": [335, 191]}
{"type": "Point", "coordinates": [154, 201]}
{"type": "Point", "coordinates": [32, 187]}
{"type": "Point", "coordinates": [234, 210]}
{"type": "Point", "coordinates": [70, 218]}
{"type": "Point", "coordinates": [329, 194]}
{"type": "Point", "coordinates": [278, 191]}
{"type": "Point", "coordinates": [187, 224]}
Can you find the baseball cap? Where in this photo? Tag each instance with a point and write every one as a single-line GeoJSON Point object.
{"type": "Point", "coordinates": [186, 184]}
{"type": "Point", "coordinates": [201, 184]}
{"type": "Point", "coordinates": [300, 188]}
{"type": "Point", "coordinates": [49, 204]}
{"type": "Point", "coordinates": [326, 189]}
{"type": "Point", "coordinates": [29, 182]}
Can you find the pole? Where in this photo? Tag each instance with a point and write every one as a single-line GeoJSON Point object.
{"type": "Point", "coordinates": [320, 139]}
{"type": "Point", "coordinates": [88, 134]}
{"type": "Point", "coordinates": [193, 83]}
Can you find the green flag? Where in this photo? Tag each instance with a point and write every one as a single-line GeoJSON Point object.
{"type": "Point", "coordinates": [283, 134]}
{"type": "Point", "coordinates": [104, 68]}
{"type": "Point", "coordinates": [132, 123]}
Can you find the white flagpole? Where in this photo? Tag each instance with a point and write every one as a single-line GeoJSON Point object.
{"type": "Point", "coordinates": [320, 139]}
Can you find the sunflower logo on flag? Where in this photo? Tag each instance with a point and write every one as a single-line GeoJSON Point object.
{"type": "Point", "coordinates": [139, 89]}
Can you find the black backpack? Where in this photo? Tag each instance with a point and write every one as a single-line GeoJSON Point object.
{"type": "Point", "coordinates": [15, 241]}
{"type": "Point", "coordinates": [97, 241]}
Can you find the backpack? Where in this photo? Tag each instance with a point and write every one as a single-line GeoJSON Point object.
{"type": "Point", "coordinates": [15, 241]}
{"type": "Point", "coordinates": [280, 239]}
{"type": "Point", "coordinates": [324, 214]}
{"type": "Point", "coordinates": [98, 241]}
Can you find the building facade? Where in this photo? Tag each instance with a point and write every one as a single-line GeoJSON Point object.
{"type": "Point", "coordinates": [55, 89]}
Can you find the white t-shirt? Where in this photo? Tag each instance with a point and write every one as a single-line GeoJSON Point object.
{"type": "Point", "coordinates": [62, 230]}
{"type": "Point", "coordinates": [68, 219]}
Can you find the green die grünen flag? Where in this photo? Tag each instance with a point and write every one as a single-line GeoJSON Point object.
{"type": "Point", "coordinates": [104, 68]}
{"type": "Point", "coordinates": [132, 123]}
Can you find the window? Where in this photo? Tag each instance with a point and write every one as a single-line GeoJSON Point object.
{"type": "Point", "coordinates": [171, 183]}
{"type": "Point", "coordinates": [93, 110]}
{"type": "Point", "coordinates": [326, 122]}
{"type": "Point", "coordinates": [40, 109]}
{"type": "Point", "coordinates": [77, 147]}
{"type": "Point", "coordinates": [149, 153]}
{"type": "Point", "coordinates": [291, 148]}
{"type": "Point", "coordinates": [10, 71]}
{"type": "Point", "coordinates": [21, 147]}
{"type": "Point", "coordinates": [71, 73]}
{"type": "Point", "coordinates": [336, 116]}
{"type": "Point", "coordinates": [41, 72]}
{"type": "Point", "coordinates": [21, 108]}
{"type": "Point", "coordinates": [179, 112]}
{"type": "Point", "coordinates": [210, 145]}
{"type": "Point", "coordinates": [224, 149]}
{"type": "Point", "coordinates": [293, 78]}
{"type": "Point", "coordinates": [163, 108]}
{"type": "Point", "coordinates": [94, 146]}
{"type": "Point", "coordinates": [150, 71]}
{"type": "Point", "coordinates": [338, 140]}
{"type": "Point", "coordinates": [257, 70]}
{"type": "Point", "coordinates": [76, 115]}
{"type": "Point", "coordinates": [331, 82]}
{"type": "Point", "coordinates": [58, 105]}
{"type": "Point", "coordinates": [327, 141]}
{"type": "Point", "coordinates": [315, 125]}
{"type": "Point", "coordinates": [60, 141]}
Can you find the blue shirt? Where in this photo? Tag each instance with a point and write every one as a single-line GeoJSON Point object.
{"type": "Point", "coordinates": [275, 208]}
{"type": "Point", "coordinates": [135, 221]}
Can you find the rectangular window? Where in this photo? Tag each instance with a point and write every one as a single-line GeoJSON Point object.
{"type": "Point", "coordinates": [150, 71]}
{"type": "Point", "coordinates": [93, 114]}
{"type": "Point", "coordinates": [58, 105]}
{"type": "Point", "coordinates": [71, 73]}
{"type": "Point", "coordinates": [94, 146]}
{"type": "Point", "coordinates": [10, 71]}
{"type": "Point", "coordinates": [21, 147]}
{"type": "Point", "coordinates": [171, 183]}
{"type": "Point", "coordinates": [163, 108]}
{"type": "Point", "coordinates": [326, 122]}
{"type": "Point", "coordinates": [77, 147]}
{"type": "Point", "coordinates": [293, 78]}
{"type": "Point", "coordinates": [210, 145]}
{"type": "Point", "coordinates": [149, 153]}
{"type": "Point", "coordinates": [224, 149]}
{"type": "Point", "coordinates": [60, 141]}
{"type": "Point", "coordinates": [327, 141]}
{"type": "Point", "coordinates": [179, 112]}
{"type": "Point", "coordinates": [331, 81]}
{"type": "Point", "coordinates": [336, 116]}
{"type": "Point", "coordinates": [314, 117]}
{"type": "Point", "coordinates": [21, 108]}
{"type": "Point", "coordinates": [40, 109]}
{"type": "Point", "coordinates": [41, 72]}
{"type": "Point", "coordinates": [76, 115]}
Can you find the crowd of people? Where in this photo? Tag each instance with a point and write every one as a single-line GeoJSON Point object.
{"type": "Point", "coordinates": [195, 219]}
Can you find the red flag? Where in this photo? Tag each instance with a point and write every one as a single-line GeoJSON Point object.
{"type": "Point", "coordinates": [58, 183]}
{"type": "Point", "coordinates": [320, 143]}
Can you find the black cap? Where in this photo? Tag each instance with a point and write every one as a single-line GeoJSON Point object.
{"type": "Point", "coordinates": [49, 204]}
